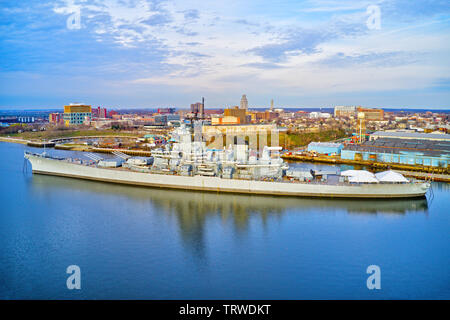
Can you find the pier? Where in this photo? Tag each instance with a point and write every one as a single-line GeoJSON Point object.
{"type": "Point", "coordinates": [414, 171]}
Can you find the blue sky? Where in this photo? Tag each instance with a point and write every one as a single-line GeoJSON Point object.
{"type": "Point", "coordinates": [137, 53]}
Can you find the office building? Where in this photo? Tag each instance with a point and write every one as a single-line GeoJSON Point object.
{"type": "Point", "coordinates": [244, 102]}
{"type": "Point", "coordinates": [166, 110]}
{"type": "Point", "coordinates": [198, 109]}
{"type": "Point", "coordinates": [237, 112]}
{"type": "Point", "coordinates": [76, 113]}
{"type": "Point", "coordinates": [55, 118]}
{"type": "Point", "coordinates": [344, 111]}
{"type": "Point", "coordinates": [372, 114]}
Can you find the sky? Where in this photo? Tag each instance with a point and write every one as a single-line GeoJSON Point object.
{"type": "Point", "coordinates": [145, 53]}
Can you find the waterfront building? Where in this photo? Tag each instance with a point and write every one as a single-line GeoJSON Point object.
{"type": "Point", "coordinates": [76, 113]}
{"type": "Point", "coordinates": [410, 135]}
{"type": "Point", "coordinates": [328, 148]}
{"type": "Point", "coordinates": [409, 151]}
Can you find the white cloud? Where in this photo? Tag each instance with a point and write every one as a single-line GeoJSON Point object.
{"type": "Point", "coordinates": [221, 51]}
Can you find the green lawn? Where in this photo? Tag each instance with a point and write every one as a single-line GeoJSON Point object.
{"type": "Point", "coordinates": [295, 140]}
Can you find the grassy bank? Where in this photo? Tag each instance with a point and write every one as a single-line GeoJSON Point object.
{"type": "Point", "coordinates": [292, 140]}
{"type": "Point", "coordinates": [54, 134]}
{"type": "Point", "coordinates": [13, 140]}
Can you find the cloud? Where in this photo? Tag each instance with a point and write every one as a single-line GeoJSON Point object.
{"type": "Point", "coordinates": [158, 19]}
{"type": "Point", "coordinates": [303, 41]}
{"type": "Point", "coordinates": [412, 11]}
{"type": "Point", "coordinates": [262, 65]}
{"type": "Point", "coordinates": [297, 42]}
{"type": "Point", "coordinates": [191, 14]}
{"type": "Point", "coordinates": [376, 59]}
{"type": "Point", "coordinates": [295, 49]}
{"type": "Point", "coordinates": [246, 22]}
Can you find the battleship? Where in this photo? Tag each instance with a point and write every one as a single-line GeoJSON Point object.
{"type": "Point", "coordinates": [191, 165]}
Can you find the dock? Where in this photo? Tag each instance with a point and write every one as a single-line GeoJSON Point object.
{"type": "Point", "coordinates": [141, 153]}
{"type": "Point", "coordinates": [414, 171]}
{"type": "Point", "coordinates": [40, 144]}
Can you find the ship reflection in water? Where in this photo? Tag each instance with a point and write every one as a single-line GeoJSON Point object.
{"type": "Point", "coordinates": [228, 205]}
{"type": "Point", "coordinates": [193, 209]}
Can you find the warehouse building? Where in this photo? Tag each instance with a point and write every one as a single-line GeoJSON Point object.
{"type": "Point", "coordinates": [410, 135]}
{"type": "Point", "coordinates": [410, 151]}
{"type": "Point", "coordinates": [328, 148]}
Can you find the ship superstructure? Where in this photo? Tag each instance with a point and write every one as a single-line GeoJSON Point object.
{"type": "Point", "coordinates": [189, 158]}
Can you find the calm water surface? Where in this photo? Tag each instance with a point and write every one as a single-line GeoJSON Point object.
{"type": "Point", "coordinates": [143, 243]}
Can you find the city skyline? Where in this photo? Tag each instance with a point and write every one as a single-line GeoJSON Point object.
{"type": "Point", "coordinates": [171, 53]}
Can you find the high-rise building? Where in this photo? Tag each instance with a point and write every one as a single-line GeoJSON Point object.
{"type": "Point", "coordinates": [198, 109]}
{"type": "Point", "coordinates": [76, 113]}
{"type": "Point", "coordinates": [102, 113]}
{"type": "Point", "coordinates": [55, 118]}
{"type": "Point", "coordinates": [244, 102]}
{"type": "Point", "coordinates": [195, 107]}
{"type": "Point", "coordinates": [99, 112]}
{"type": "Point", "coordinates": [271, 105]}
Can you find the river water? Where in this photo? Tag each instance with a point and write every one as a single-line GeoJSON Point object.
{"type": "Point", "coordinates": [145, 243]}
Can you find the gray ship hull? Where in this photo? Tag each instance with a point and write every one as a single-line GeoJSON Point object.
{"type": "Point", "coordinates": [42, 165]}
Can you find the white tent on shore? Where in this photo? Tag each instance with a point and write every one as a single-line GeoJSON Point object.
{"type": "Point", "coordinates": [357, 173]}
{"type": "Point", "coordinates": [390, 176]}
{"type": "Point", "coordinates": [362, 179]}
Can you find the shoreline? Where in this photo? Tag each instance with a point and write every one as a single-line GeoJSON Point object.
{"type": "Point", "coordinates": [14, 140]}
{"type": "Point", "coordinates": [413, 174]}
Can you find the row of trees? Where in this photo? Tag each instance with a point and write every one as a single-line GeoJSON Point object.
{"type": "Point", "coordinates": [292, 139]}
